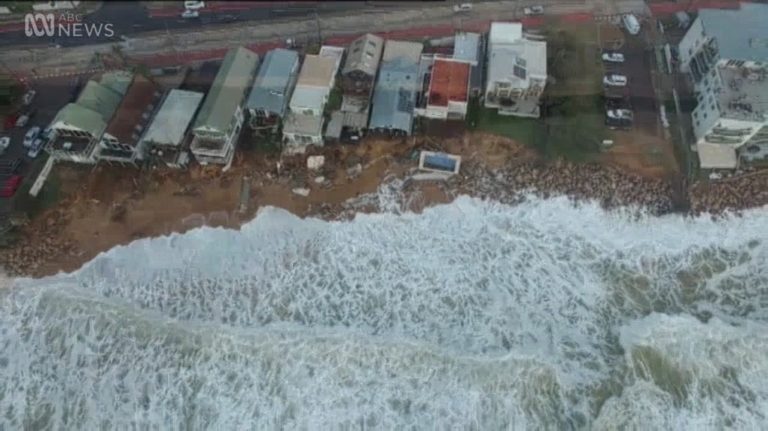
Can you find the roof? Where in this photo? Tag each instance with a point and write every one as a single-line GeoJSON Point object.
{"type": "Point", "coordinates": [394, 96]}
{"type": "Point", "coordinates": [466, 46]}
{"type": "Point", "coordinates": [310, 125]}
{"type": "Point", "coordinates": [449, 82]}
{"type": "Point", "coordinates": [749, 41]}
{"type": "Point", "coordinates": [745, 93]}
{"type": "Point", "coordinates": [528, 56]}
{"type": "Point", "coordinates": [100, 99]}
{"type": "Point", "coordinates": [173, 117]}
{"type": "Point", "coordinates": [717, 156]}
{"type": "Point", "coordinates": [117, 80]}
{"type": "Point", "coordinates": [227, 90]}
{"type": "Point", "coordinates": [82, 118]}
{"type": "Point", "coordinates": [364, 54]}
{"type": "Point", "coordinates": [505, 32]}
{"type": "Point", "coordinates": [317, 71]}
{"type": "Point", "coordinates": [396, 48]}
{"type": "Point", "coordinates": [334, 52]}
{"type": "Point", "coordinates": [309, 98]}
{"type": "Point", "coordinates": [272, 86]}
{"type": "Point", "coordinates": [134, 110]}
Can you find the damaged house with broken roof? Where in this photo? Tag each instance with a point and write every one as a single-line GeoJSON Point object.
{"type": "Point", "coordinates": [77, 128]}
{"type": "Point", "coordinates": [725, 54]}
{"type": "Point", "coordinates": [516, 71]}
{"type": "Point", "coordinates": [220, 120]}
{"type": "Point", "coordinates": [394, 96]}
{"type": "Point", "coordinates": [357, 81]}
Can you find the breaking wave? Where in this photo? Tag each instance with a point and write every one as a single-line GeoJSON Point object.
{"type": "Point", "coordinates": [472, 315]}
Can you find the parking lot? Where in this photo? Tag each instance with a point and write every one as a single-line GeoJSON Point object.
{"type": "Point", "coordinates": [52, 94]}
{"type": "Point", "coordinates": [642, 144]}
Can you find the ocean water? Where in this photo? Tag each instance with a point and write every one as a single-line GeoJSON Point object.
{"type": "Point", "coordinates": [473, 315]}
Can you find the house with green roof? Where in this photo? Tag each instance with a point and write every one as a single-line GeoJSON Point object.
{"type": "Point", "coordinates": [220, 120]}
{"type": "Point", "coordinates": [78, 126]}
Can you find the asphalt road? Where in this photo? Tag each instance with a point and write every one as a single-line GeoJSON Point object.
{"type": "Point", "coordinates": [132, 18]}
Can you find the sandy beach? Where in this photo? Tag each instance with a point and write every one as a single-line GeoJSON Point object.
{"type": "Point", "coordinates": [110, 206]}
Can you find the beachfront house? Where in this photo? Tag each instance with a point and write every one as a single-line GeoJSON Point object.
{"type": "Point", "coordinates": [304, 123]}
{"type": "Point", "coordinates": [394, 96]}
{"type": "Point", "coordinates": [447, 93]}
{"type": "Point", "coordinates": [468, 47]}
{"type": "Point", "coordinates": [516, 72]}
{"type": "Point", "coordinates": [729, 72]}
{"type": "Point", "coordinates": [357, 81]}
{"type": "Point", "coordinates": [164, 140]}
{"type": "Point", "coordinates": [268, 102]}
{"type": "Point", "coordinates": [78, 126]}
{"type": "Point", "coordinates": [220, 120]}
{"type": "Point", "coordinates": [120, 140]}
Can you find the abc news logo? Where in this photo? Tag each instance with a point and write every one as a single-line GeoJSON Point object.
{"type": "Point", "coordinates": [48, 24]}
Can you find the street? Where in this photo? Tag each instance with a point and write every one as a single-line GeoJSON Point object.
{"type": "Point", "coordinates": [130, 19]}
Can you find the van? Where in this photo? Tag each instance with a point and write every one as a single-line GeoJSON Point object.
{"type": "Point", "coordinates": [631, 23]}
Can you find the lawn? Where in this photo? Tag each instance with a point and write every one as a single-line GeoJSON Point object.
{"type": "Point", "coordinates": [572, 121]}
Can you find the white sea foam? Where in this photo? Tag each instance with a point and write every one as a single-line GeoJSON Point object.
{"type": "Point", "coordinates": [471, 315]}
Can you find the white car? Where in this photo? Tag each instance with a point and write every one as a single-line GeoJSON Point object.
{"type": "Point", "coordinates": [190, 14]}
{"type": "Point", "coordinates": [194, 5]}
{"type": "Point", "coordinates": [631, 23]}
{"type": "Point", "coordinates": [34, 151]}
{"type": "Point", "coordinates": [5, 142]}
{"type": "Point", "coordinates": [613, 57]}
{"type": "Point", "coordinates": [22, 121]}
{"type": "Point", "coordinates": [614, 80]}
{"type": "Point", "coordinates": [464, 7]}
{"type": "Point", "coordinates": [619, 114]}
{"type": "Point", "coordinates": [29, 96]}
{"type": "Point", "coordinates": [29, 138]}
{"type": "Point", "coordinates": [534, 10]}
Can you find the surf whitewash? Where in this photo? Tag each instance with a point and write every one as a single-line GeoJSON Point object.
{"type": "Point", "coordinates": [472, 315]}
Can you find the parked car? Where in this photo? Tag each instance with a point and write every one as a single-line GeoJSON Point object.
{"type": "Point", "coordinates": [615, 80]}
{"type": "Point", "coordinates": [613, 57]}
{"type": "Point", "coordinates": [22, 121]}
{"type": "Point", "coordinates": [534, 10]}
{"type": "Point", "coordinates": [194, 5]}
{"type": "Point", "coordinates": [464, 7]}
{"type": "Point", "coordinates": [10, 166]}
{"type": "Point", "coordinates": [5, 142]}
{"type": "Point", "coordinates": [31, 135]}
{"type": "Point", "coordinates": [35, 149]}
{"type": "Point", "coordinates": [190, 14]}
{"type": "Point", "coordinates": [631, 23]}
{"type": "Point", "coordinates": [10, 186]}
{"type": "Point", "coordinates": [29, 96]}
{"type": "Point", "coordinates": [619, 114]}
{"type": "Point", "coordinates": [10, 121]}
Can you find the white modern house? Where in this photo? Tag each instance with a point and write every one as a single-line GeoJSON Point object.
{"type": "Point", "coordinates": [725, 53]}
{"type": "Point", "coordinates": [517, 71]}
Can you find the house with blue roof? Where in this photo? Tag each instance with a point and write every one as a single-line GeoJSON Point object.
{"type": "Point", "coordinates": [394, 96]}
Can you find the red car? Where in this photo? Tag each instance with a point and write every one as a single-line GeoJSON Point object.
{"type": "Point", "coordinates": [10, 186]}
{"type": "Point", "coordinates": [10, 121]}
